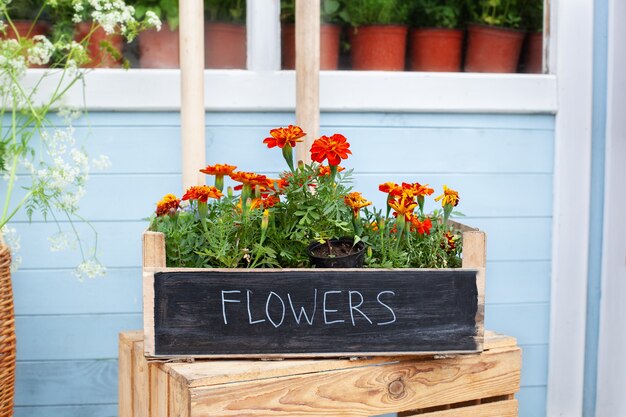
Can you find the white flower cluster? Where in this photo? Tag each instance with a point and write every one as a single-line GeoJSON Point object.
{"type": "Point", "coordinates": [153, 20]}
{"type": "Point", "coordinates": [12, 240]}
{"type": "Point", "coordinates": [62, 241]}
{"type": "Point", "coordinates": [41, 51]}
{"type": "Point", "coordinates": [111, 14]}
{"type": "Point", "coordinates": [90, 268]}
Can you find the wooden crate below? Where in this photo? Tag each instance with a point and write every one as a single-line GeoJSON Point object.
{"type": "Point", "coordinates": [478, 385]}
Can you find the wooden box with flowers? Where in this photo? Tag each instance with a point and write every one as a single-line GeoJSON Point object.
{"type": "Point", "coordinates": [301, 266]}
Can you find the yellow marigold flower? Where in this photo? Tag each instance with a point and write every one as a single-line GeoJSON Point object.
{"type": "Point", "coordinates": [449, 196]}
{"type": "Point", "coordinates": [403, 206]}
{"type": "Point", "coordinates": [168, 204]}
{"type": "Point", "coordinates": [356, 202]}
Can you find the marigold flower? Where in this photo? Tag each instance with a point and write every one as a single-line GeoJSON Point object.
{"type": "Point", "coordinates": [449, 196]}
{"type": "Point", "coordinates": [390, 188]}
{"type": "Point", "coordinates": [218, 169]}
{"type": "Point", "coordinates": [251, 179]}
{"type": "Point", "coordinates": [334, 148]}
{"type": "Point", "coordinates": [168, 205]}
{"type": "Point", "coordinates": [356, 202]}
{"type": "Point", "coordinates": [202, 193]}
{"type": "Point", "coordinates": [423, 228]}
{"type": "Point", "coordinates": [450, 243]}
{"type": "Point", "coordinates": [324, 170]}
{"type": "Point", "coordinates": [403, 206]}
{"type": "Point", "coordinates": [284, 136]}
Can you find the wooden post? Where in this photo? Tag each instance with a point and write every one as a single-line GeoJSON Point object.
{"type": "Point", "coordinates": [307, 73]}
{"type": "Point", "coordinates": [192, 90]}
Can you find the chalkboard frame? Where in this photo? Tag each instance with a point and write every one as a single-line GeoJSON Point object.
{"type": "Point", "coordinates": [474, 260]}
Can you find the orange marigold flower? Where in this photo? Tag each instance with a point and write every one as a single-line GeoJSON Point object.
{"type": "Point", "coordinates": [449, 196]}
{"type": "Point", "coordinates": [251, 179]}
{"type": "Point", "coordinates": [269, 201]}
{"type": "Point", "coordinates": [391, 188]}
{"type": "Point", "coordinates": [324, 170]}
{"type": "Point", "coordinates": [422, 190]}
{"type": "Point", "coordinates": [218, 169]}
{"type": "Point", "coordinates": [356, 202]}
{"type": "Point", "coordinates": [334, 148]}
{"type": "Point", "coordinates": [423, 228]}
{"type": "Point", "coordinates": [284, 136]}
{"type": "Point", "coordinates": [450, 243]}
{"type": "Point", "coordinates": [403, 206]}
{"type": "Point", "coordinates": [168, 205]}
{"type": "Point", "coordinates": [202, 193]}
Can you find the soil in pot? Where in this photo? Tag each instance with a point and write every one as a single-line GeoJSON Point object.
{"type": "Point", "coordinates": [435, 49]}
{"type": "Point", "coordinates": [532, 55]}
{"type": "Point", "coordinates": [493, 49]}
{"type": "Point", "coordinates": [337, 253]}
{"type": "Point", "coordinates": [159, 49]}
{"type": "Point", "coordinates": [378, 47]}
{"type": "Point", "coordinates": [100, 57]}
{"type": "Point", "coordinates": [225, 45]}
{"type": "Point", "coordinates": [329, 46]}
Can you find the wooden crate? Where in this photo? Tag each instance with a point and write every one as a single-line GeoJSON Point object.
{"type": "Point", "coordinates": [423, 311]}
{"type": "Point", "coordinates": [478, 385]}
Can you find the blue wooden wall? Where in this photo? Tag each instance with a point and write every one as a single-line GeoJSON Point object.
{"type": "Point", "coordinates": [502, 166]}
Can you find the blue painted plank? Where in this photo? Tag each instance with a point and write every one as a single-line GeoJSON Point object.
{"type": "Point", "coordinates": [66, 383]}
{"type": "Point", "coordinates": [529, 323]}
{"type": "Point", "coordinates": [76, 337]}
{"type": "Point", "coordinates": [532, 401]}
{"type": "Point", "coordinates": [104, 410]}
{"type": "Point", "coordinates": [40, 292]}
{"type": "Point", "coordinates": [534, 365]}
{"type": "Point", "coordinates": [518, 282]}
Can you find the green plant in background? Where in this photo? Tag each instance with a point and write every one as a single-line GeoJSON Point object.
{"type": "Point", "coordinates": [24, 9]}
{"type": "Point", "coordinates": [166, 10]}
{"type": "Point", "coordinates": [533, 15]}
{"type": "Point", "coordinates": [376, 12]}
{"type": "Point", "coordinates": [230, 11]}
{"type": "Point", "coordinates": [438, 13]}
{"type": "Point", "coordinates": [503, 13]}
{"type": "Point", "coordinates": [330, 11]}
{"type": "Point", "coordinates": [53, 170]}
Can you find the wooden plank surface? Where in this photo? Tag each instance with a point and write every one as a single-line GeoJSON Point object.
{"type": "Point", "coordinates": [366, 391]}
{"type": "Point", "coordinates": [125, 372]}
{"type": "Point", "coordinates": [159, 391]}
{"type": "Point", "coordinates": [507, 408]}
{"type": "Point", "coordinates": [141, 382]}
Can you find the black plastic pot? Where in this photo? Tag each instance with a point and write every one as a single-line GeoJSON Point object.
{"type": "Point", "coordinates": [352, 260]}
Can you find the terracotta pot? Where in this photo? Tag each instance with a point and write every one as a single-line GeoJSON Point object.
{"type": "Point", "coordinates": [25, 28]}
{"type": "Point", "coordinates": [378, 47]}
{"type": "Point", "coordinates": [493, 49]}
{"type": "Point", "coordinates": [435, 49]}
{"type": "Point", "coordinates": [532, 56]}
{"type": "Point", "coordinates": [329, 46]}
{"type": "Point", "coordinates": [225, 45]}
{"type": "Point", "coordinates": [100, 57]}
{"type": "Point", "coordinates": [159, 49]}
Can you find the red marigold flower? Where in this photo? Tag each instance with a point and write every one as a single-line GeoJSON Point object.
{"type": "Point", "coordinates": [450, 243]}
{"type": "Point", "coordinates": [422, 190]}
{"type": "Point", "coordinates": [218, 169]}
{"type": "Point", "coordinates": [449, 196]}
{"type": "Point", "coordinates": [423, 228]}
{"type": "Point", "coordinates": [269, 201]}
{"type": "Point", "coordinates": [202, 193]}
{"type": "Point", "coordinates": [324, 170]}
{"type": "Point", "coordinates": [251, 179]}
{"type": "Point", "coordinates": [356, 202]}
{"type": "Point", "coordinates": [334, 148]}
{"type": "Point", "coordinates": [391, 188]}
{"type": "Point", "coordinates": [403, 206]}
{"type": "Point", "coordinates": [168, 205]}
{"type": "Point", "coordinates": [284, 136]}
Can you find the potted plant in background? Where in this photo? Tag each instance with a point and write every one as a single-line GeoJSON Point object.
{"type": "Point", "coordinates": [436, 43]}
{"type": "Point", "coordinates": [532, 55]}
{"type": "Point", "coordinates": [330, 34]}
{"type": "Point", "coordinates": [26, 21]}
{"type": "Point", "coordinates": [159, 47]}
{"type": "Point", "coordinates": [225, 34]}
{"type": "Point", "coordinates": [378, 33]}
{"type": "Point", "coordinates": [494, 38]}
{"type": "Point", "coordinates": [51, 167]}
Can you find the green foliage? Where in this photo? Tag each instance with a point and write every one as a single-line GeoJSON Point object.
{"type": "Point", "coordinates": [166, 10]}
{"type": "Point", "coordinates": [438, 13]}
{"type": "Point", "coordinates": [24, 9]}
{"type": "Point", "coordinates": [504, 13]}
{"type": "Point", "coordinates": [533, 15]}
{"type": "Point", "coordinates": [231, 11]}
{"type": "Point", "coordinates": [376, 12]}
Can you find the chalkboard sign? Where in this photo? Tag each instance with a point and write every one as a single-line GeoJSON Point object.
{"type": "Point", "coordinates": [313, 312]}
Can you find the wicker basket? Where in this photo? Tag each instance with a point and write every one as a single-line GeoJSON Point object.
{"type": "Point", "coordinates": [7, 334]}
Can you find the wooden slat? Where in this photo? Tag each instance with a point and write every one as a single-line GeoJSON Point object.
{"type": "Point", "coordinates": [159, 391]}
{"type": "Point", "coordinates": [141, 382]}
{"type": "Point", "coordinates": [475, 256]}
{"type": "Point", "coordinates": [153, 249]}
{"type": "Point", "coordinates": [496, 409]}
{"type": "Point", "coordinates": [148, 312]}
{"type": "Point", "coordinates": [125, 372]}
{"type": "Point", "coordinates": [179, 399]}
{"type": "Point", "coordinates": [367, 391]}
